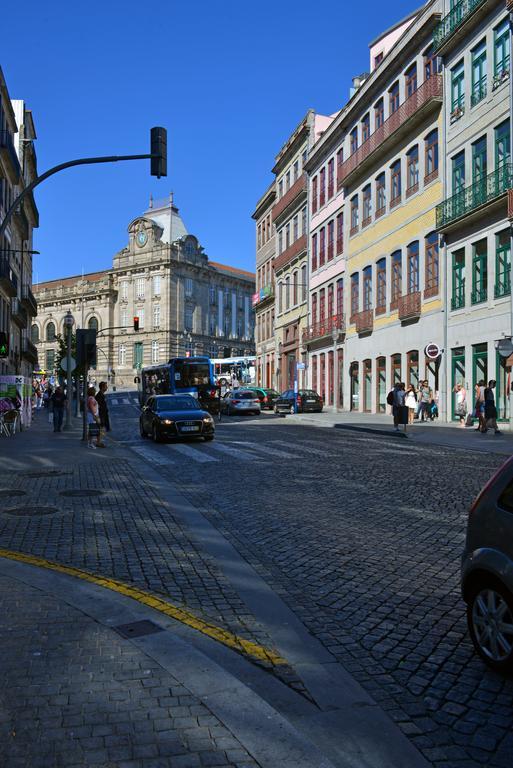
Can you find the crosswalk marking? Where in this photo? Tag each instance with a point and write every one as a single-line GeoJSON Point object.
{"type": "Point", "coordinates": [302, 447]}
{"type": "Point", "coordinates": [238, 453]}
{"type": "Point", "coordinates": [153, 455]}
{"type": "Point", "coordinates": [267, 449]}
{"type": "Point", "coordinates": [191, 453]}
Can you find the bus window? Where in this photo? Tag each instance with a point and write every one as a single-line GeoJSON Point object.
{"type": "Point", "coordinates": [190, 374]}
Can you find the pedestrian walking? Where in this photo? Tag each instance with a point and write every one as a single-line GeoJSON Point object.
{"type": "Point", "coordinates": [103, 411]}
{"type": "Point", "coordinates": [490, 411]}
{"type": "Point", "coordinates": [461, 403]}
{"type": "Point", "coordinates": [425, 397]}
{"type": "Point", "coordinates": [480, 405]}
{"type": "Point", "coordinates": [234, 379]}
{"type": "Point", "coordinates": [410, 402]}
{"type": "Point", "coordinates": [58, 402]}
{"type": "Point", "coordinates": [399, 410]}
{"type": "Point", "coordinates": [93, 419]}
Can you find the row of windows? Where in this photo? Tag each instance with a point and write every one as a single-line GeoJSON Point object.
{"type": "Point", "coordinates": [328, 301]}
{"type": "Point", "coordinates": [126, 319]}
{"type": "Point", "coordinates": [138, 354]}
{"type": "Point", "coordinates": [480, 271]}
{"type": "Point", "coordinates": [140, 287]}
{"type": "Point", "coordinates": [291, 175]}
{"type": "Point", "coordinates": [288, 234]}
{"type": "Point", "coordinates": [403, 280]}
{"type": "Point", "coordinates": [479, 158]}
{"type": "Point", "coordinates": [394, 193]}
{"type": "Point", "coordinates": [292, 290]}
{"type": "Point", "coordinates": [479, 71]}
{"type": "Point", "coordinates": [264, 275]}
{"type": "Point", "coordinates": [328, 242]}
{"type": "Point", "coordinates": [264, 328]}
{"type": "Point", "coordinates": [51, 330]}
{"type": "Point", "coordinates": [264, 231]}
{"type": "Point", "coordinates": [227, 300]}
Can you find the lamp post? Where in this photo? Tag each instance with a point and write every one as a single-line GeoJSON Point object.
{"type": "Point", "coordinates": [69, 321]}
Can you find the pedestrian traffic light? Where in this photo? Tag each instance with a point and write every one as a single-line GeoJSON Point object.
{"type": "Point", "coordinates": [86, 347]}
{"type": "Point", "coordinates": [4, 344]}
{"type": "Point", "coordinates": [136, 323]}
{"type": "Point", "coordinates": [158, 149]}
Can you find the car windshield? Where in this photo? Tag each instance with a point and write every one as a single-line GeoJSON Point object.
{"type": "Point", "coordinates": [183, 403]}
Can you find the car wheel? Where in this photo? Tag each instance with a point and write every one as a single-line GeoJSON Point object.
{"type": "Point", "coordinates": [207, 438]}
{"type": "Point", "coordinates": [490, 623]}
{"type": "Point", "coordinates": [141, 430]}
{"type": "Point", "coordinates": [292, 409]}
{"type": "Point", "coordinates": [155, 434]}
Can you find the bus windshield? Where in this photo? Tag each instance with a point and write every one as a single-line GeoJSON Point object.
{"type": "Point", "coordinates": [190, 374]}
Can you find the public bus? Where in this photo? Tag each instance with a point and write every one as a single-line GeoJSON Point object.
{"type": "Point", "coordinates": [243, 367]}
{"type": "Point", "coordinates": [180, 375]}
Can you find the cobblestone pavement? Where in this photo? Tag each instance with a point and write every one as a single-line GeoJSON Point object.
{"type": "Point", "coordinates": [74, 693]}
{"type": "Point", "coordinates": [362, 538]}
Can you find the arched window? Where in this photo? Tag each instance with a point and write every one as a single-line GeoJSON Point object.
{"type": "Point", "coordinates": [50, 332]}
{"type": "Point", "coordinates": [93, 324]}
{"type": "Point", "coordinates": [34, 334]}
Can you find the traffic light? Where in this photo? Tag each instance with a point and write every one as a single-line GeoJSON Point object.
{"type": "Point", "coordinates": [86, 347]}
{"type": "Point", "coordinates": [4, 344]}
{"type": "Point", "coordinates": [158, 150]}
{"type": "Point", "coordinates": [136, 323]}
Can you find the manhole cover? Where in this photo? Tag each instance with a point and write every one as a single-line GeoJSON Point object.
{"type": "Point", "coordinates": [77, 493]}
{"type": "Point", "coordinates": [47, 473]}
{"type": "Point", "coordinates": [30, 511]}
{"type": "Point", "coordinates": [11, 493]}
{"type": "Point", "coordinates": [138, 629]}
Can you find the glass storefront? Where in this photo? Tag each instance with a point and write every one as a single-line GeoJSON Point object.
{"type": "Point", "coordinates": [458, 377]}
{"type": "Point", "coordinates": [381, 385]}
{"type": "Point", "coordinates": [355, 386]}
{"type": "Point", "coordinates": [367, 385]}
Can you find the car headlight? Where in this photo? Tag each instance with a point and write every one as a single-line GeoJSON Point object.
{"type": "Point", "coordinates": [167, 421]}
{"type": "Point", "coordinates": [208, 420]}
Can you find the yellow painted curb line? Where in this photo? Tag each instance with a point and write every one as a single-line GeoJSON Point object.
{"type": "Point", "coordinates": [246, 647]}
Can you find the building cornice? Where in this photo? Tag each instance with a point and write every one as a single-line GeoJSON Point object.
{"type": "Point", "coordinates": [295, 140]}
{"type": "Point", "coordinates": [265, 202]}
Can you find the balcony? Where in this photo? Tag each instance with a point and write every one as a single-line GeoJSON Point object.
{"type": "Point", "coordinates": [9, 157]}
{"type": "Point", "coordinates": [453, 27]}
{"type": "Point", "coordinates": [411, 112]}
{"type": "Point", "coordinates": [263, 297]}
{"type": "Point", "coordinates": [29, 351]}
{"type": "Point", "coordinates": [21, 221]}
{"type": "Point", "coordinates": [8, 280]}
{"type": "Point", "coordinates": [290, 253]}
{"type": "Point", "coordinates": [18, 313]}
{"type": "Point", "coordinates": [31, 208]}
{"type": "Point", "coordinates": [325, 329]}
{"type": "Point", "coordinates": [474, 197]}
{"type": "Point", "coordinates": [479, 295]}
{"type": "Point", "coordinates": [501, 73]}
{"type": "Point", "coordinates": [409, 306]}
{"type": "Point", "coordinates": [364, 321]}
{"type": "Point", "coordinates": [298, 188]}
{"type": "Point", "coordinates": [458, 296]}
{"type": "Point", "coordinates": [28, 300]}
{"type": "Point", "coordinates": [478, 92]}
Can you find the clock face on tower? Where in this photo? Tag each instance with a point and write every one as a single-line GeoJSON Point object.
{"type": "Point", "coordinates": [141, 238]}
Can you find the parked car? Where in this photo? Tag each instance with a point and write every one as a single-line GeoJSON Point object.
{"type": "Point", "coordinates": [487, 570]}
{"type": "Point", "coordinates": [240, 401]}
{"type": "Point", "coordinates": [306, 399]}
{"type": "Point", "coordinates": [266, 396]}
{"type": "Point", "coordinates": [175, 416]}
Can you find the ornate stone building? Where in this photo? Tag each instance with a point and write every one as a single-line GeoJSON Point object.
{"type": "Point", "coordinates": [185, 302]}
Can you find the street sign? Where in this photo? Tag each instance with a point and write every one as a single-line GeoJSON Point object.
{"type": "Point", "coordinates": [300, 366]}
{"type": "Point", "coordinates": [504, 347]}
{"type": "Point", "coordinates": [64, 364]}
{"type": "Point", "coordinates": [432, 351]}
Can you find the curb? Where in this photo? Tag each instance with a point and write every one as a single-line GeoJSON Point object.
{"type": "Point", "coordinates": [372, 430]}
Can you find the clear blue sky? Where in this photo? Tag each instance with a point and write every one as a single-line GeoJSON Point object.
{"type": "Point", "coordinates": [230, 79]}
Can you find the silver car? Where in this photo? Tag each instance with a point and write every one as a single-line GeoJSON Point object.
{"type": "Point", "coordinates": [487, 570]}
{"type": "Point", "coordinates": [240, 401]}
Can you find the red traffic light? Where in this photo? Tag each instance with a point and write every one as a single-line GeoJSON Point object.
{"type": "Point", "coordinates": [136, 323]}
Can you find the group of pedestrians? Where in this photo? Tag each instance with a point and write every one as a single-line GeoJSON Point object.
{"type": "Point", "coordinates": [482, 408]}
{"type": "Point", "coordinates": [412, 403]}
{"type": "Point", "coordinates": [97, 412]}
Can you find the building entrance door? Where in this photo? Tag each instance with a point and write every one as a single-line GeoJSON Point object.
{"type": "Point", "coordinates": [458, 377]}
{"type": "Point", "coordinates": [381, 385]}
{"type": "Point", "coordinates": [355, 386]}
{"type": "Point", "coordinates": [479, 364]}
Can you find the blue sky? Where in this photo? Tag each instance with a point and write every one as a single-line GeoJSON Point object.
{"type": "Point", "coordinates": [230, 79]}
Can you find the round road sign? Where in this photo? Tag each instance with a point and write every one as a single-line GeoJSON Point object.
{"type": "Point", "coordinates": [432, 351]}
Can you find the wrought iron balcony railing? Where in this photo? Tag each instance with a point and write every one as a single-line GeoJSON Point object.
{"type": "Point", "coordinates": [289, 253]}
{"type": "Point", "coordinates": [263, 295]}
{"type": "Point", "coordinates": [503, 285]}
{"type": "Point", "coordinates": [501, 73]}
{"type": "Point", "coordinates": [288, 198]}
{"type": "Point", "coordinates": [8, 280]}
{"type": "Point", "coordinates": [29, 300]}
{"type": "Point", "coordinates": [409, 306]}
{"type": "Point", "coordinates": [456, 17]}
{"type": "Point", "coordinates": [478, 92]}
{"type": "Point", "coordinates": [9, 152]}
{"type": "Point", "coordinates": [325, 328]}
{"type": "Point", "coordinates": [458, 296]}
{"type": "Point", "coordinates": [29, 350]}
{"type": "Point", "coordinates": [18, 313]}
{"type": "Point", "coordinates": [364, 321]}
{"type": "Point", "coordinates": [470, 198]}
{"type": "Point", "coordinates": [479, 295]}
{"type": "Point", "coordinates": [413, 106]}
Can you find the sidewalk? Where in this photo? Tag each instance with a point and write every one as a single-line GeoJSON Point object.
{"type": "Point", "coordinates": [194, 680]}
{"type": "Point", "coordinates": [430, 433]}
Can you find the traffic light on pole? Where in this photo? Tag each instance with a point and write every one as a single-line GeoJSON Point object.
{"type": "Point", "coordinates": [86, 347]}
{"type": "Point", "coordinates": [158, 151]}
{"type": "Point", "coordinates": [4, 344]}
{"type": "Point", "coordinates": [136, 323]}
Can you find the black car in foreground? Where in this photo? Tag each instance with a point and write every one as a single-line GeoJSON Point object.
{"type": "Point", "coordinates": [174, 417]}
{"type": "Point", "coordinates": [266, 396]}
{"type": "Point", "coordinates": [306, 400]}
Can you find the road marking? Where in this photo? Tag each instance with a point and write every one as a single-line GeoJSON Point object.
{"type": "Point", "coordinates": [302, 447]}
{"type": "Point", "coordinates": [237, 453]}
{"type": "Point", "coordinates": [152, 454]}
{"type": "Point", "coordinates": [245, 647]}
{"type": "Point", "coordinates": [264, 447]}
{"type": "Point", "coordinates": [191, 453]}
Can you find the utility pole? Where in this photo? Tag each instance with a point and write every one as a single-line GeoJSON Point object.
{"type": "Point", "coordinates": [69, 321]}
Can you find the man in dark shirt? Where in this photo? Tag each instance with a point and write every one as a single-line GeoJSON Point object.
{"type": "Point", "coordinates": [103, 410]}
{"type": "Point", "coordinates": [58, 402]}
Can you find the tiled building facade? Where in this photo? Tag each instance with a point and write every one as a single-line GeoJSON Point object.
{"type": "Point", "coordinates": [185, 302]}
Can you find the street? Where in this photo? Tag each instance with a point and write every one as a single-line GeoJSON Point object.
{"type": "Point", "coordinates": [352, 540]}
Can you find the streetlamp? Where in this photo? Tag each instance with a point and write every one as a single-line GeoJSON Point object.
{"type": "Point", "coordinates": [69, 322]}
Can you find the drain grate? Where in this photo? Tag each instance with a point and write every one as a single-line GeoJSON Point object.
{"type": "Point", "coordinates": [138, 629]}
{"type": "Point", "coordinates": [46, 473]}
{"type": "Point", "coordinates": [30, 511]}
{"type": "Point", "coordinates": [78, 493]}
{"type": "Point", "coordinates": [11, 493]}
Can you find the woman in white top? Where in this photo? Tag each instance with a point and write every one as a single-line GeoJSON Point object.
{"type": "Point", "coordinates": [461, 403]}
{"type": "Point", "coordinates": [410, 402]}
